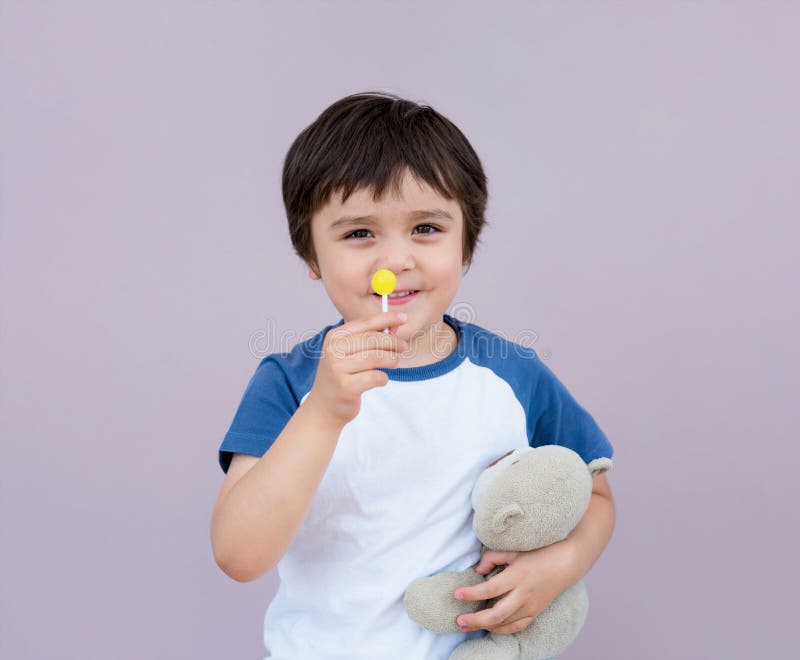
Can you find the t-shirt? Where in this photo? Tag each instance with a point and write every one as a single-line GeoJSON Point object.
{"type": "Point", "coordinates": [394, 503]}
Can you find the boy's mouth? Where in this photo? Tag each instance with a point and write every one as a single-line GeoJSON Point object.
{"type": "Point", "coordinates": [400, 297]}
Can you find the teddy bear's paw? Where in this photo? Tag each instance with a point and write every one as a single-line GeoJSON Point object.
{"type": "Point", "coordinates": [496, 647]}
{"type": "Point", "coordinates": [431, 602]}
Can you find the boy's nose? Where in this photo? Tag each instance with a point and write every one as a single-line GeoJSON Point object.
{"type": "Point", "coordinates": [396, 253]}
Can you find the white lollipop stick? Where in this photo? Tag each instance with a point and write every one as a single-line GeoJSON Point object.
{"type": "Point", "coordinates": [383, 283]}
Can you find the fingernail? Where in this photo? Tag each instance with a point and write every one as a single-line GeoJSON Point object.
{"type": "Point", "coordinates": [403, 316]}
{"type": "Point", "coordinates": [460, 621]}
{"type": "Point", "coordinates": [459, 596]}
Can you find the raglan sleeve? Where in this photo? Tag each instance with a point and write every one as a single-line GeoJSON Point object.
{"type": "Point", "coordinates": [266, 406]}
{"type": "Point", "coordinates": [558, 419]}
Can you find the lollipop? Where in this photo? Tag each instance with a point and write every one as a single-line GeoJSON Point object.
{"type": "Point", "coordinates": [383, 283]}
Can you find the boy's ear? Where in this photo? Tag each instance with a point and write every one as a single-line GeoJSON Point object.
{"type": "Point", "coordinates": [599, 466]}
{"type": "Point", "coordinates": [313, 271]}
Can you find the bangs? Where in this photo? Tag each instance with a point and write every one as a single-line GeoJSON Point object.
{"type": "Point", "coordinates": [369, 141]}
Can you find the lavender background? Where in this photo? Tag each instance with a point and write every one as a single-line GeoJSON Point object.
{"type": "Point", "coordinates": [643, 163]}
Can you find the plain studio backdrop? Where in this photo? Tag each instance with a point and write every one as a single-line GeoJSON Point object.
{"type": "Point", "coordinates": [643, 163]}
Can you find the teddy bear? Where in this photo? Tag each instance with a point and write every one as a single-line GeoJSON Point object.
{"type": "Point", "coordinates": [527, 499]}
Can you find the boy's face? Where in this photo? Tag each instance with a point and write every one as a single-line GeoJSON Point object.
{"type": "Point", "coordinates": [424, 252]}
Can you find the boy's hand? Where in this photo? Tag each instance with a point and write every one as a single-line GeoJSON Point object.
{"type": "Point", "coordinates": [351, 355]}
{"type": "Point", "coordinates": [528, 585]}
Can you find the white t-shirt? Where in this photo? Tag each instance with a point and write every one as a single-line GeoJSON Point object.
{"type": "Point", "coordinates": [394, 504]}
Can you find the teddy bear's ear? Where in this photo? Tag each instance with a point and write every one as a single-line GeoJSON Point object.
{"type": "Point", "coordinates": [599, 465]}
{"type": "Point", "coordinates": [505, 517]}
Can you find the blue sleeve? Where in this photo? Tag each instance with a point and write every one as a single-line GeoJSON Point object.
{"type": "Point", "coordinates": [266, 406]}
{"type": "Point", "coordinates": [558, 419]}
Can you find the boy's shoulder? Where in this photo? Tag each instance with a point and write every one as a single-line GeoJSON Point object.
{"type": "Point", "coordinates": [511, 358]}
{"type": "Point", "coordinates": [492, 348]}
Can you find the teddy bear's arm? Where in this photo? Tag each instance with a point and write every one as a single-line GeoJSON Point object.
{"type": "Point", "coordinates": [431, 601]}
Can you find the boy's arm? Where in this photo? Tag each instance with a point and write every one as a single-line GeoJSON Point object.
{"type": "Point", "coordinates": [263, 503]}
{"type": "Point", "coordinates": [590, 536]}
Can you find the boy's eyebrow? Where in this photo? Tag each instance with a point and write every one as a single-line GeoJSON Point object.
{"type": "Point", "coordinates": [347, 220]}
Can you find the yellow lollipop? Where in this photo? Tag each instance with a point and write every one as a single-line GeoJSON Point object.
{"type": "Point", "coordinates": [383, 283]}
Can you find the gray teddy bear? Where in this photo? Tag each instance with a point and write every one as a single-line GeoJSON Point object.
{"type": "Point", "coordinates": [528, 499]}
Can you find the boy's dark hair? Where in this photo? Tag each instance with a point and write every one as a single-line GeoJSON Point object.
{"type": "Point", "coordinates": [367, 140]}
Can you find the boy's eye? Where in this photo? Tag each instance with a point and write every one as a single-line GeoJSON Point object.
{"type": "Point", "coordinates": [353, 234]}
{"type": "Point", "coordinates": [435, 229]}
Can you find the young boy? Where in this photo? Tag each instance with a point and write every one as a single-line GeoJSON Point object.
{"type": "Point", "coordinates": [351, 458]}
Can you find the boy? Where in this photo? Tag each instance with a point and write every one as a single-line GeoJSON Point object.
{"type": "Point", "coordinates": [351, 458]}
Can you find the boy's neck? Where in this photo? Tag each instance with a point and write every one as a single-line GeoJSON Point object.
{"type": "Point", "coordinates": [432, 346]}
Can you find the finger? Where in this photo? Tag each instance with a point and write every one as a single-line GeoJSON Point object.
{"type": "Point", "coordinates": [370, 360]}
{"type": "Point", "coordinates": [496, 586]}
{"type": "Point", "coordinates": [366, 380]}
{"type": "Point", "coordinates": [513, 627]}
{"type": "Point", "coordinates": [377, 321]}
{"type": "Point", "coordinates": [522, 611]}
{"type": "Point", "coordinates": [492, 559]}
{"type": "Point", "coordinates": [496, 615]}
{"type": "Point", "coordinates": [379, 340]}
{"type": "Point", "coordinates": [342, 345]}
